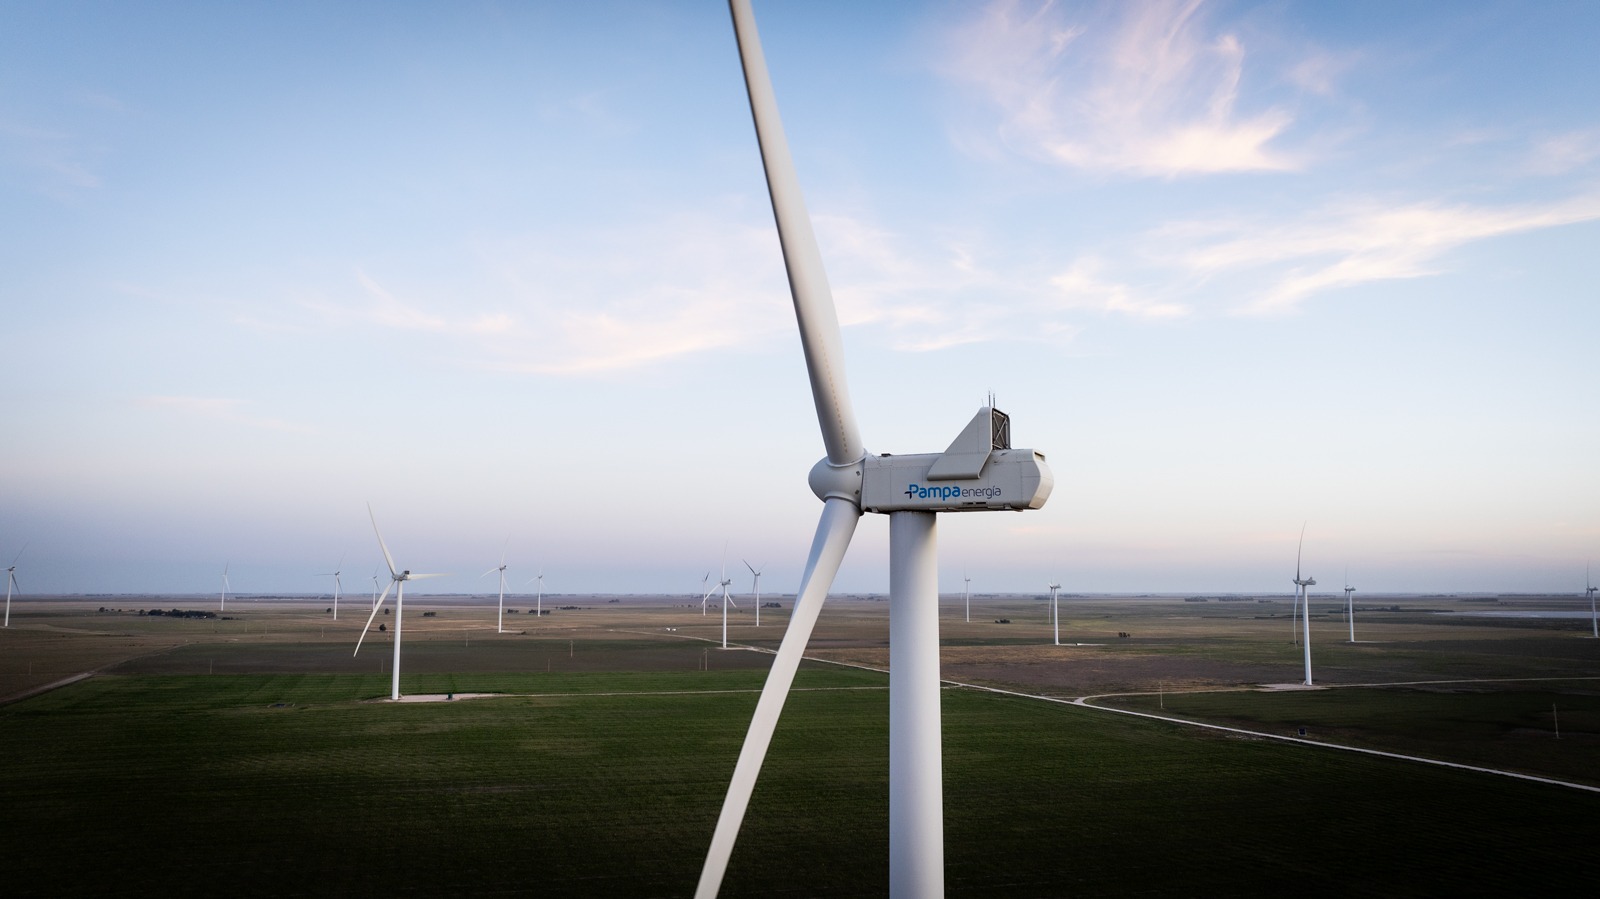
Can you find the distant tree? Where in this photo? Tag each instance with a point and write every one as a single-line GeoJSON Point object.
{"type": "Point", "coordinates": [383, 627]}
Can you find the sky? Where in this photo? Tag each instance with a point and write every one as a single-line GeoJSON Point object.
{"type": "Point", "coordinates": [507, 272]}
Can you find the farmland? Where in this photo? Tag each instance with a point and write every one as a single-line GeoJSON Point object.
{"type": "Point", "coordinates": [246, 754]}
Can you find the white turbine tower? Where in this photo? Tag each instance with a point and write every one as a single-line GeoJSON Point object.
{"type": "Point", "coordinates": [1055, 617]}
{"type": "Point", "coordinates": [499, 621]}
{"type": "Point", "coordinates": [338, 569]}
{"type": "Point", "coordinates": [1349, 605]}
{"type": "Point", "coordinates": [978, 471]}
{"type": "Point", "coordinates": [538, 601]}
{"type": "Point", "coordinates": [222, 605]}
{"type": "Point", "coordinates": [1594, 623]}
{"type": "Point", "coordinates": [11, 583]}
{"type": "Point", "coordinates": [726, 602]}
{"type": "Point", "coordinates": [397, 580]}
{"type": "Point", "coordinates": [1305, 607]}
{"type": "Point", "coordinates": [966, 596]}
{"type": "Point", "coordinates": [755, 587]}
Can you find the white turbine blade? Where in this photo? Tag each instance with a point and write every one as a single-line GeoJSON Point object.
{"type": "Point", "coordinates": [808, 280]}
{"type": "Point", "coordinates": [834, 530]}
{"type": "Point", "coordinates": [1297, 550]}
{"type": "Point", "coordinates": [381, 545]}
{"type": "Point", "coordinates": [418, 577]}
{"type": "Point", "coordinates": [18, 555]}
{"type": "Point", "coordinates": [375, 606]}
{"type": "Point", "coordinates": [751, 567]}
{"type": "Point", "coordinates": [489, 572]}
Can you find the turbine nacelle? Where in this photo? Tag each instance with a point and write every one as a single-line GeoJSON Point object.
{"type": "Point", "coordinates": [978, 472]}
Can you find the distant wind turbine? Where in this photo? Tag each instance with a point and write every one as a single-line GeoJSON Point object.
{"type": "Point", "coordinates": [1305, 607]}
{"type": "Point", "coordinates": [726, 602]}
{"type": "Point", "coordinates": [397, 580]}
{"type": "Point", "coordinates": [1055, 618]}
{"type": "Point", "coordinates": [222, 605]}
{"type": "Point", "coordinates": [1594, 623]}
{"type": "Point", "coordinates": [374, 588]}
{"type": "Point", "coordinates": [755, 587]}
{"type": "Point", "coordinates": [538, 601]}
{"type": "Point", "coordinates": [499, 621]}
{"type": "Point", "coordinates": [705, 597]}
{"type": "Point", "coordinates": [1349, 605]}
{"type": "Point", "coordinates": [10, 584]}
{"type": "Point", "coordinates": [966, 596]}
{"type": "Point", "coordinates": [338, 569]}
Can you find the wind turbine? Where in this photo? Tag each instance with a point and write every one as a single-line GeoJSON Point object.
{"type": "Point", "coordinates": [705, 597]}
{"type": "Point", "coordinates": [755, 587]}
{"type": "Point", "coordinates": [538, 607]}
{"type": "Point", "coordinates": [1594, 623]}
{"type": "Point", "coordinates": [1305, 607]}
{"type": "Point", "coordinates": [1349, 605]}
{"type": "Point", "coordinates": [397, 580]}
{"type": "Point", "coordinates": [222, 605]}
{"type": "Point", "coordinates": [374, 588]}
{"type": "Point", "coordinates": [978, 471]}
{"type": "Point", "coordinates": [10, 584]}
{"type": "Point", "coordinates": [726, 602]}
{"type": "Point", "coordinates": [966, 596]}
{"type": "Point", "coordinates": [338, 569]}
{"type": "Point", "coordinates": [499, 621]}
{"type": "Point", "coordinates": [1055, 617]}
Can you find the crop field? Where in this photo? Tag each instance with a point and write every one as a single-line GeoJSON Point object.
{"type": "Point", "coordinates": [246, 755]}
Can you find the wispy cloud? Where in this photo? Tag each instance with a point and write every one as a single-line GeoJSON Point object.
{"type": "Point", "coordinates": [220, 409]}
{"type": "Point", "coordinates": [1143, 88]}
{"type": "Point", "coordinates": [1562, 154]}
{"type": "Point", "coordinates": [1083, 287]}
{"type": "Point", "coordinates": [1353, 244]}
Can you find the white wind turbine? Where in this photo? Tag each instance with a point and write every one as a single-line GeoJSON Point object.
{"type": "Point", "coordinates": [222, 605]}
{"type": "Point", "coordinates": [705, 597]}
{"type": "Point", "coordinates": [1594, 623]}
{"type": "Point", "coordinates": [338, 569]}
{"type": "Point", "coordinates": [11, 583]}
{"type": "Point", "coordinates": [755, 587]}
{"type": "Point", "coordinates": [1305, 607]}
{"type": "Point", "coordinates": [978, 471]}
{"type": "Point", "coordinates": [397, 580]}
{"type": "Point", "coordinates": [726, 602]}
{"type": "Point", "coordinates": [966, 596]}
{"type": "Point", "coordinates": [538, 602]}
{"type": "Point", "coordinates": [499, 621]}
{"type": "Point", "coordinates": [1055, 617]}
{"type": "Point", "coordinates": [1349, 605]}
{"type": "Point", "coordinates": [374, 588]}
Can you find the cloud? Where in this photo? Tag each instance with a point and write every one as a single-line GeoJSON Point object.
{"type": "Point", "coordinates": [1081, 287]}
{"type": "Point", "coordinates": [1351, 244]}
{"type": "Point", "coordinates": [220, 409]}
{"type": "Point", "coordinates": [1141, 88]}
{"type": "Point", "coordinates": [1565, 153]}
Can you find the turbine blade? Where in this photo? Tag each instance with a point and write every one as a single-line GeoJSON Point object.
{"type": "Point", "coordinates": [486, 573]}
{"type": "Point", "coordinates": [751, 567]}
{"type": "Point", "coordinates": [381, 545]}
{"type": "Point", "coordinates": [18, 555]}
{"type": "Point", "coordinates": [834, 530]}
{"type": "Point", "coordinates": [1297, 550]}
{"type": "Point", "coordinates": [808, 280]}
{"type": "Point", "coordinates": [418, 577]}
{"type": "Point", "coordinates": [375, 607]}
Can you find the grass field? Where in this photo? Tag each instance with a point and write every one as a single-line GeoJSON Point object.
{"type": "Point", "coordinates": [244, 757]}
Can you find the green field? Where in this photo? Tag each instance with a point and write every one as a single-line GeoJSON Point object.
{"type": "Point", "coordinates": [247, 757]}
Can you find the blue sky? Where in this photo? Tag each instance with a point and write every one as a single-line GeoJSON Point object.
{"type": "Point", "coordinates": [507, 271]}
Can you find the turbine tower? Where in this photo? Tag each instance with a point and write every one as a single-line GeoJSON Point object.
{"type": "Point", "coordinates": [222, 604]}
{"type": "Point", "coordinates": [10, 584]}
{"type": "Point", "coordinates": [755, 587]}
{"type": "Point", "coordinates": [1305, 607]}
{"type": "Point", "coordinates": [1055, 617]}
{"type": "Point", "coordinates": [499, 621]}
{"type": "Point", "coordinates": [978, 471]}
{"type": "Point", "coordinates": [337, 570]}
{"type": "Point", "coordinates": [726, 602]}
{"type": "Point", "coordinates": [538, 601]}
{"type": "Point", "coordinates": [397, 580]}
{"type": "Point", "coordinates": [966, 596]}
{"type": "Point", "coordinates": [1349, 605]}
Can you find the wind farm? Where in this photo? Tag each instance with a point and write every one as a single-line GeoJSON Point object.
{"type": "Point", "coordinates": [516, 269]}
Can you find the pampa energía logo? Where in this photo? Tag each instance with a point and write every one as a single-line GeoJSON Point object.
{"type": "Point", "coordinates": [917, 491]}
